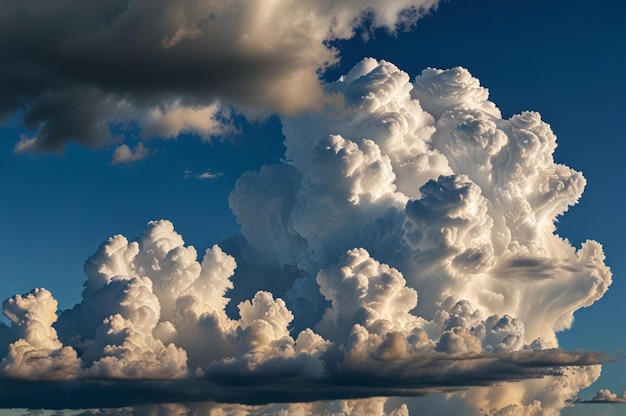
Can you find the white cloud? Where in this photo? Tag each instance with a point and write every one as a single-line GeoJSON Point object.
{"type": "Point", "coordinates": [124, 154]}
{"type": "Point", "coordinates": [36, 352]}
{"type": "Point", "coordinates": [465, 204]}
{"type": "Point", "coordinates": [176, 119]}
{"type": "Point", "coordinates": [364, 292]}
{"type": "Point", "coordinates": [405, 246]}
{"type": "Point", "coordinates": [606, 396]}
{"type": "Point", "coordinates": [208, 174]}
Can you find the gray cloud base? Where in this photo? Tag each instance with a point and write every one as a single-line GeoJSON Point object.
{"type": "Point", "coordinates": [426, 376]}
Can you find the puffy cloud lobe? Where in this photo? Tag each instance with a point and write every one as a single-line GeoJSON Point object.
{"type": "Point", "coordinates": [25, 361]}
{"type": "Point", "coordinates": [449, 237]}
{"type": "Point", "coordinates": [164, 64]}
{"type": "Point", "coordinates": [129, 353]}
{"type": "Point", "coordinates": [606, 396]}
{"type": "Point", "coordinates": [364, 292]}
{"type": "Point", "coordinates": [324, 205]}
{"type": "Point", "coordinates": [32, 317]}
{"type": "Point", "coordinates": [176, 119]}
{"type": "Point", "coordinates": [37, 352]}
{"type": "Point", "coordinates": [441, 90]}
{"type": "Point", "coordinates": [154, 291]}
{"type": "Point", "coordinates": [264, 347]}
{"type": "Point", "coordinates": [263, 321]}
{"type": "Point", "coordinates": [457, 317]}
{"type": "Point", "coordinates": [378, 107]}
{"type": "Point", "coordinates": [307, 212]}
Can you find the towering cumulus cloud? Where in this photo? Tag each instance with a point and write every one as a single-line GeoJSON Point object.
{"type": "Point", "coordinates": [404, 247]}
{"type": "Point", "coordinates": [170, 66]}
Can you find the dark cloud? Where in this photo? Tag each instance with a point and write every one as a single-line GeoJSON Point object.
{"type": "Point", "coordinates": [77, 68]}
{"type": "Point", "coordinates": [415, 378]}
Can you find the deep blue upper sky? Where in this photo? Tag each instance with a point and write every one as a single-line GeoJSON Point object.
{"type": "Point", "coordinates": [563, 59]}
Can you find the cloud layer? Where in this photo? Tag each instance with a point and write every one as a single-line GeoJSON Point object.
{"type": "Point", "coordinates": [406, 246]}
{"type": "Point", "coordinates": [90, 69]}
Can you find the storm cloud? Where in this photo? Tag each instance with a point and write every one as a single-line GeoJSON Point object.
{"type": "Point", "coordinates": [84, 71]}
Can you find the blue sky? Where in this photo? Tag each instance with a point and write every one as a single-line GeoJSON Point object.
{"type": "Point", "coordinates": [564, 60]}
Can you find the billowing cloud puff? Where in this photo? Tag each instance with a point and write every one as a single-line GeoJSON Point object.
{"type": "Point", "coordinates": [606, 396]}
{"type": "Point", "coordinates": [171, 66]}
{"type": "Point", "coordinates": [125, 352]}
{"type": "Point", "coordinates": [36, 352]}
{"type": "Point", "coordinates": [364, 292]}
{"type": "Point", "coordinates": [405, 246]}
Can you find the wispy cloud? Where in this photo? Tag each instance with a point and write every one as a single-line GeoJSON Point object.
{"type": "Point", "coordinates": [208, 174]}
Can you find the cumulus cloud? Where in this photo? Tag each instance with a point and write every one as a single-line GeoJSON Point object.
{"type": "Point", "coordinates": [606, 396]}
{"type": "Point", "coordinates": [461, 208]}
{"type": "Point", "coordinates": [171, 67]}
{"type": "Point", "coordinates": [36, 352]}
{"type": "Point", "coordinates": [124, 154]}
{"type": "Point", "coordinates": [405, 246]}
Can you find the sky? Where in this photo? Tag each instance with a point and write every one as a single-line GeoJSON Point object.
{"type": "Point", "coordinates": [369, 219]}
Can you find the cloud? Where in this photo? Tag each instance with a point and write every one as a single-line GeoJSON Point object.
{"type": "Point", "coordinates": [208, 174]}
{"type": "Point", "coordinates": [171, 67]}
{"type": "Point", "coordinates": [36, 352]}
{"type": "Point", "coordinates": [124, 154]}
{"type": "Point", "coordinates": [605, 396]}
{"type": "Point", "coordinates": [205, 121]}
{"type": "Point", "coordinates": [405, 246]}
{"type": "Point", "coordinates": [462, 206]}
